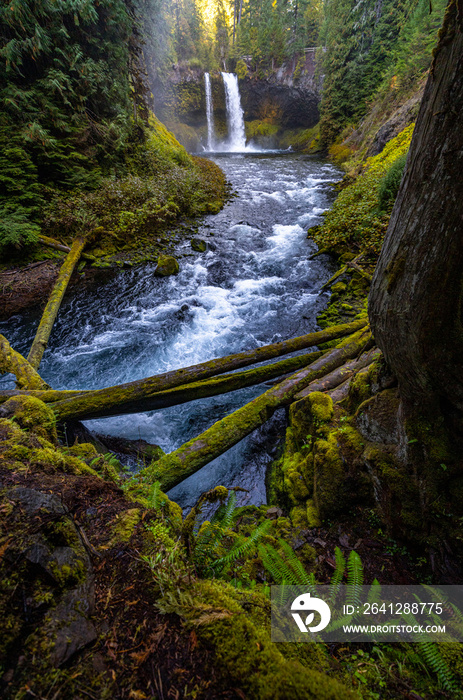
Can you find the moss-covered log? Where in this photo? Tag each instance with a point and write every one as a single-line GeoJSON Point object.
{"type": "Point", "coordinates": [56, 245]}
{"type": "Point", "coordinates": [45, 395]}
{"type": "Point", "coordinates": [220, 437]}
{"type": "Point", "coordinates": [133, 396]}
{"type": "Point", "coordinates": [54, 302]}
{"type": "Point", "coordinates": [187, 392]}
{"type": "Point", "coordinates": [12, 362]}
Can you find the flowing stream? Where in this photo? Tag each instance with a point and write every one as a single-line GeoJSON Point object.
{"type": "Point", "coordinates": [254, 285]}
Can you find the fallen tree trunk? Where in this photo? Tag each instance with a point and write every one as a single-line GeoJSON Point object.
{"type": "Point", "coordinates": [54, 302]}
{"type": "Point", "coordinates": [187, 392]}
{"type": "Point", "coordinates": [220, 437]}
{"type": "Point", "coordinates": [133, 396]}
{"type": "Point", "coordinates": [340, 375]}
{"type": "Point", "coordinates": [12, 362]}
{"type": "Point", "coordinates": [45, 395]}
{"type": "Point", "coordinates": [56, 245]}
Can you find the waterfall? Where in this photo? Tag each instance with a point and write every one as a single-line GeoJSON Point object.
{"type": "Point", "coordinates": [235, 114]}
{"type": "Point", "coordinates": [209, 113]}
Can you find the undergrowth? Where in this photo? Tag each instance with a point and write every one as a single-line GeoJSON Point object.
{"type": "Point", "coordinates": [360, 215]}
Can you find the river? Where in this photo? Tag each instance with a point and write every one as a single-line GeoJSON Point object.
{"type": "Point", "coordinates": [254, 285]}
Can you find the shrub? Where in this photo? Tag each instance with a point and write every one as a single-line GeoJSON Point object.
{"type": "Point", "coordinates": [389, 185]}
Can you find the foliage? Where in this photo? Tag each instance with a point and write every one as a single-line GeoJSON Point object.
{"type": "Point", "coordinates": [355, 220]}
{"type": "Point", "coordinates": [389, 185]}
{"type": "Point", "coordinates": [369, 46]}
{"type": "Point", "coordinates": [217, 547]}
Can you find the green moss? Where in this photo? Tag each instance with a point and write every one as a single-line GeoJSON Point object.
{"type": "Point", "coordinates": [328, 476]}
{"type": "Point", "coordinates": [355, 220]}
{"type": "Point", "coordinates": [295, 483]}
{"type": "Point", "coordinates": [84, 451]}
{"type": "Point", "coordinates": [321, 407]}
{"type": "Point", "coordinates": [359, 390]}
{"type": "Point", "coordinates": [313, 516]}
{"type": "Point", "coordinates": [32, 414]}
{"type": "Point", "coordinates": [167, 265]}
{"type": "Point", "coordinates": [124, 526]}
{"type": "Point", "coordinates": [243, 650]}
{"type": "Point", "coordinates": [257, 128]}
{"type": "Point", "coordinates": [298, 517]}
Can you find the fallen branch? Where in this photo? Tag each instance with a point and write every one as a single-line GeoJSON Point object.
{"type": "Point", "coordinates": [342, 270]}
{"type": "Point", "coordinates": [56, 245]}
{"type": "Point", "coordinates": [133, 396]}
{"type": "Point", "coordinates": [54, 302]}
{"type": "Point", "coordinates": [11, 361]}
{"type": "Point", "coordinates": [220, 437]}
{"type": "Point", "coordinates": [361, 272]}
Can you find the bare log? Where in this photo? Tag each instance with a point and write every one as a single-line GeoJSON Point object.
{"type": "Point", "coordinates": [133, 396]}
{"type": "Point", "coordinates": [190, 457]}
{"type": "Point", "coordinates": [54, 302]}
{"type": "Point", "coordinates": [11, 361]}
{"type": "Point", "coordinates": [341, 392]}
{"type": "Point", "coordinates": [340, 375]}
{"type": "Point", "coordinates": [56, 245]}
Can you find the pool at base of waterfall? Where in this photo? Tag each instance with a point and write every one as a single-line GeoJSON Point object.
{"type": "Point", "coordinates": [254, 284]}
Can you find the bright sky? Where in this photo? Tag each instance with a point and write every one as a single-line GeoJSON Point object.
{"type": "Point", "coordinates": [208, 10]}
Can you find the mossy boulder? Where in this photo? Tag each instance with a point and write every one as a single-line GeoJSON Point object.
{"type": "Point", "coordinates": [198, 245]}
{"type": "Point", "coordinates": [328, 476]}
{"type": "Point", "coordinates": [233, 626]}
{"type": "Point", "coordinates": [31, 414]}
{"type": "Point", "coordinates": [167, 265]}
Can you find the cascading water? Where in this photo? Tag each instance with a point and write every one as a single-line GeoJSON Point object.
{"type": "Point", "coordinates": [235, 114]}
{"type": "Point", "coordinates": [209, 113]}
{"type": "Point", "coordinates": [255, 284]}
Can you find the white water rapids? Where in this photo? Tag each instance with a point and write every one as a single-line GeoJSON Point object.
{"type": "Point", "coordinates": [254, 285]}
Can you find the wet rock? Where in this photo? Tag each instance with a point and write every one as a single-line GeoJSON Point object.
{"type": "Point", "coordinates": [167, 265]}
{"type": "Point", "coordinates": [273, 513]}
{"type": "Point", "coordinates": [54, 583]}
{"type": "Point", "coordinates": [377, 418]}
{"type": "Point", "coordinates": [70, 626]}
{"type": "Point", "coordinates": [32, 501]}
{"type": "Point", "coordinates": [198, 245]}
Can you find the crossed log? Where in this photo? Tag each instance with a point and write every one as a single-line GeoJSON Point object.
{"type": "Point", "coordinates": [309, 371]}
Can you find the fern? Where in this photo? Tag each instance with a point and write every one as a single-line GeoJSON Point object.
{"type": "Point", "coordinates": [242, 546]}
{"type": "Point", "coordinates": [354, 579]}
{"type": "Point", "coordinates": [433, 658]}
{"type": "Point", "coordinates": [157, 499]}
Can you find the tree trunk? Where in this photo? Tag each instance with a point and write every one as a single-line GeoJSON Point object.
{"type": "Point", "coordinates": [190, 457]}
{"type": "Point", "coordinates": [12, 362]}
{"type": "Point", "coordinates": [54, 302]}
{"type": "Point", "coordinates": [416, 294]}
{"type": "Point", "coordinates": [133, 397]}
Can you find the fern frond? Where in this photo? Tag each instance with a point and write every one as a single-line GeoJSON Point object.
{"type": "Point", "coordinates": [354, 578]}
{"type": "Point", "coordinates": [433, 658]}
{"type": "Point", "coordinates": [242, 546]}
